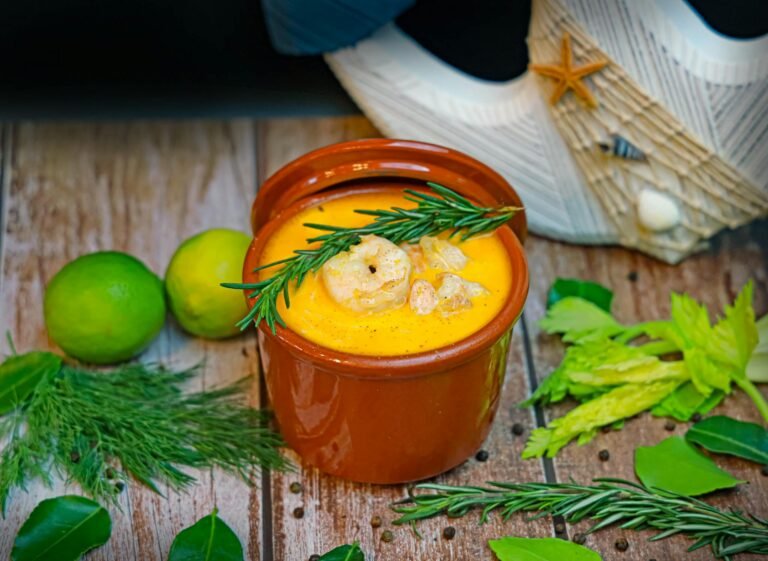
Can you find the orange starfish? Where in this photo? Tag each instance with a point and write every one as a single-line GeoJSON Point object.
{"type": "Point", "coordinates": [569, 77]}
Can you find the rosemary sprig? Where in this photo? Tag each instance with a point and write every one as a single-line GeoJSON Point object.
{"type": "Point", "coordinates": [611, 501]}
{"type": "Point", "coordinates": [433, 215]}
{"type": "Point", "coordinates": [98, 428]}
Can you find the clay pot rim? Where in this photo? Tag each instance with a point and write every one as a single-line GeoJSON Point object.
{"type": "Point", "coordinates": [394, 367]}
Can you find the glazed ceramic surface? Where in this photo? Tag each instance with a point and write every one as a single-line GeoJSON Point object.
{"type": "Point", "coordinates": [385, 419]}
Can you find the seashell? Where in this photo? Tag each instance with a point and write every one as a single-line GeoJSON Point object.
{"type": "Point", "coordinates": [622, 148]}
{"type": "Point", "coordinates": [656, 211]}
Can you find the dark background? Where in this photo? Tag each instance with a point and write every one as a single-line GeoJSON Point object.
{"type": "Point", "coordinates": [94, 58]}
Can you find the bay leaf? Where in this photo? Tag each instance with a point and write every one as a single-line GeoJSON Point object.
{"type": "Point", "coordinates": [208, 539]}
{"type": "Point", "coordinates": [726, 435]}
{"type": "Point", "coordinates": [676, 466]}
{"type": "Point", "coordinates": [63, 528]}
{"type": "Point", "coordinates": [344, 553]}
{"type": "Point", "coordinates": [586, 290]}
{"type": "Point", "coordinates": [20, 374]}
{"type": "Point", "coordinates": [540, 549]}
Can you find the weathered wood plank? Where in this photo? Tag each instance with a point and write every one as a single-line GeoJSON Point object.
{"type": "Point", "coordinates": [140, 188]}
{"type": "Point", "coordinates": [337, 512]}
{"type": "Point", "coordinates": [714, 277]}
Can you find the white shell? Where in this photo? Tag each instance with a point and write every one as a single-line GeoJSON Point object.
{"type": "Point", "coordinates": [656, 211]}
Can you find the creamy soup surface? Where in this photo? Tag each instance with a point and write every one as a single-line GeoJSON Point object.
{"type": "Point", "coordinates": [344, 317]}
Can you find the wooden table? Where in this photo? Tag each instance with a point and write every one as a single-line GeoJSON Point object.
{"type": "Point", "coordinates": [73, 188]}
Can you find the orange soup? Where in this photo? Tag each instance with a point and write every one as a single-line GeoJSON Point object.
{"type": "Point", "coordinates": [421, 297]}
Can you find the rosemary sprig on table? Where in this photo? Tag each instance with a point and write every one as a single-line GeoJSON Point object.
{"type": "Point", "coordinates": [611, 501]}
{"type": "Point", "coordinates": [98, 428]}
{"type": "Point", "coordinates": [432, 216]}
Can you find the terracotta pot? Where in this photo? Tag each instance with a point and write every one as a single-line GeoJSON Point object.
{"type": "Point", "coordinates": [385, 419]}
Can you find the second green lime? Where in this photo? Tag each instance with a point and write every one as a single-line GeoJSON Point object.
{"type": "Point", "coordinates": [200, 264]}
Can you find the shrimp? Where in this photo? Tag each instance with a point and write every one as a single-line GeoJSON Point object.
{"type": "Point", "coordinates": [423, 298]}
{"type": "Point", "coordinates": [455, 293]}
{"type": "Point", "coordinates": [435, 253]}
{"type": "Point", "coordinates": [372, 276]}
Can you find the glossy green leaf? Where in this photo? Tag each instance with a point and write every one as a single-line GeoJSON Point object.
{"type": "Point", "coordinates": [540, 549]}
{"type": "Point", "coordinates": [63, 529]}
{"type": "Point", "coordinates": [676, 466]}
{"type": "Point", "coordinates": [728, 436]}
{"type": "Point", "coordinates": [209, 539]}
{"type": "Point", "coordinates": [20, 374]}
{"type": "Point", "coordinates": [344, 553]}
{"type": "Point", "coordinates": [587, 290]}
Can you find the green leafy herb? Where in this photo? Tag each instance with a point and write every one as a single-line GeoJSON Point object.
{"type": "Point", "coordinates": [447, 212]}
{"type": "Point", "coordinates": [675, 466]}
{"type": "Point", "coordinates": [208, 539]}
{"type": "Point", "coordinates": [757, 367]}
{"type": "Point", "coordinates": [63, 528]}
{"type": "Point", "coordinates": [728, 436]}
{"type": "Point", "coordinates": [99, 428]}
{"type": "Point", "coordinates": [609, 501]}
{"type": "Point", "coordinates": [615, 379]}
{"type": "Point", "coordinates": [540, 549]}
{"type": "Point", "coordinates": [593, 292]}
{"type": "Point", "coordinates": [20, 374]}
{"type": "Point", "coordinates": [345, 553]}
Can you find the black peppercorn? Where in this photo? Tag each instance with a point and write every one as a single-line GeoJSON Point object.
{"type": "Point", "coordinates": [314, 557]}
{"type": "Point", "coordinates": [604, 455]}
{"type": "Point", "coordinates": [696, 417]}
{"type": "Point", "coordinates": [622, 544]}
{"type": "Point", "coordinates": [518, 429]}
{"type": "Point", "coordinates": [119, 486]}
{"type": "Point", "coordinates": [110, 473]}
{"type": "Point", "coordinates": [559, 528]}
{"type": "Point", "coordinates": [632, 276]}
{"type": "Point", "coordinates": [376, 522]}
{"type": "Point", "coordinates": [449, 532]}
{"type": "Point", "coordinates": [764, 471]}
{"type": "Point", "coordinates": [298, 512]}
{"type": "Point", "coordinates": [295, 487]}
{"type": "Point", "coordinates": [387, 536]}
{"type": "Point", "coordinates": [579, 538]}
{"type": "Point", "coordinates": [669, 425]}
{"type": "Point", "coordinates": [481, 456]}
{"type": "Point", "coordinates": [74, 456]}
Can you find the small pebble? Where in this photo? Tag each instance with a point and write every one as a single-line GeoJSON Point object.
{"type": "Point", "coordinates": [481, 456]}
{"type": "Point", "coordinates": [604, 455]}
{"type": "Point", "coordinates": [376, 522]}
{"type": "Point", "coordinates": [314, 557]}
{"type": "Point", "coordinates": [298, 512]}
{"type": "Point", "coordinates": [670, 426]}
{"type": "Point", "coordinates": [696, 417]}
{"type": "Point", "coordinates": [632, 276]}
{"type": "Point", "coordinates": [764, 471]}
{"type": "Point", "coordinates": [518, 429]}
{"type": "Point", "coordinates": [622, 544]}
{"type": "Point", "coordinates": [579, 538]}
{"type": "Point", "coordinates": [559, 528]}
{"type": "Point", "coordinates": [74, 456]}
{"type": "Point", "coordinates": [387, 536]}
{"type": "Point", "coordinates": [296, 487]}
{"type": "Point", "coordinates": [449, 532]}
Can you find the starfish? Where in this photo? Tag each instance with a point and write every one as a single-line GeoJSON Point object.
{"type": "Point", "coordinates": [569, 77]}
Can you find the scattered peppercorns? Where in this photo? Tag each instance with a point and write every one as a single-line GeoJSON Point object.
{"type": "Point", "coordinates": [298, 512]}
{"type": "Point", "coordinates": [295, 487]}
{"type": "Point", "coordinates": [376, 522]}
{"type": "Point", "coordinates": [670, 426]}
{"type": "Point", "coordinates": [387, 536]}
{"type": "Point", "coordinates": [579, 538]}
{"type": "Point", "coordinates": [74, 456]}
{"type": "Point", "coordinates": [559, 528]}
{"type": "Point", "coordinates": [621, 544]}
{"type": "Point", "coordinates": [314, 557]}
{"type": "Point", "coordinates": [604, 455]}
{"type": "Point", "coordinates": [518, 429]}
{"type": "Point", "coordinates": [632, 276]}
{"type": "Point", "coordinates": [696, 417]}
{"type": "Point", "coordinates": [481, 456]}
{"type": "Point", "coordinates": [449, 532]}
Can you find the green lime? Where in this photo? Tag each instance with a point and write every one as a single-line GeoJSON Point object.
{"type": "Point", "coordinates": [104, 307]}
{"type": "Point", "coordinates": [192, 281]}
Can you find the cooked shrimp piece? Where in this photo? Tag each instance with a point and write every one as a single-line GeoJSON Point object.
{"type": "Point", "coordinates": [372, 276]}
{"type": "Point", "coordinates": [423, 297]}
{"type": "Point", "coordinates": [442, 254]}
{"type": "Point", "coordinates": [416, 255]}
{"type": "Point", "coordinates": [455, 293]}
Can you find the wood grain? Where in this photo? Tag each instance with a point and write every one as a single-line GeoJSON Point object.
{"type": "Point", "coordinates": [714, 277]}
{"type": "Point", "coordinates": [141, 188]}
